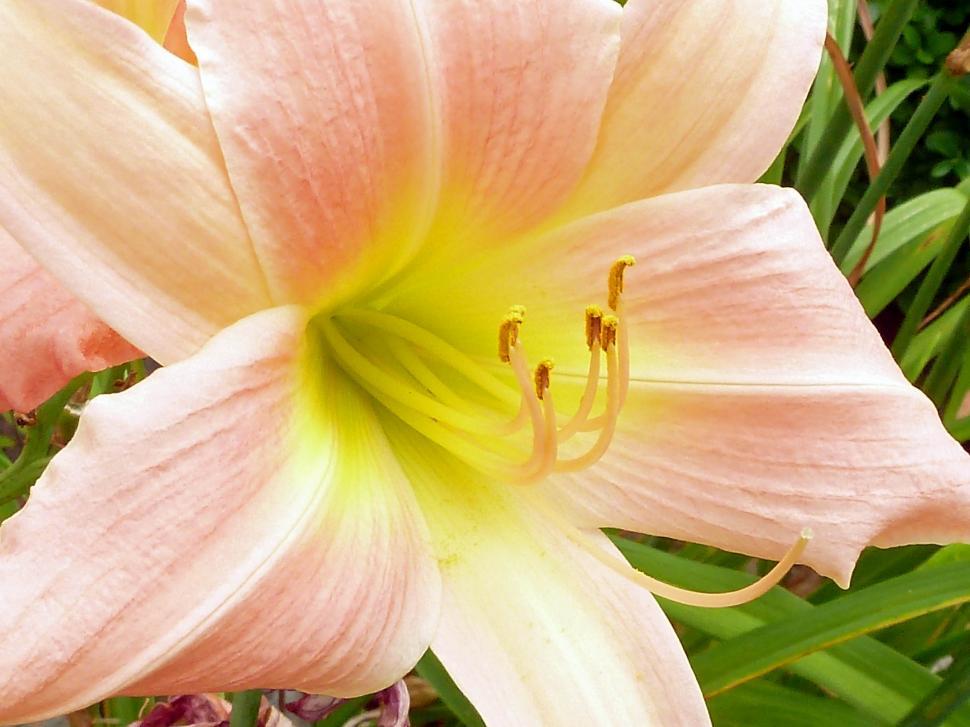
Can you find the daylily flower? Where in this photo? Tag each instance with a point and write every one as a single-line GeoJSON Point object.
{"type": "Point", "coordinates": [319, 230]}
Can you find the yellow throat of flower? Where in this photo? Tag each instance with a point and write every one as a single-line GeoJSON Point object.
{"type": "Point", "coordinates": [466, 407]}
{"type": "Point", "coordinates": [458, 403]}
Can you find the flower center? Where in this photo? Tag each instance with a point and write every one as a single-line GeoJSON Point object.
{"type": "Point", "coordinates": [467, 408]}
{"type": "Point", "coordinates": [508, 426]}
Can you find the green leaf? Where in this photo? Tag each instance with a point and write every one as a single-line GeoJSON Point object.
{"type": "Point", "coordinates": [764, 704]}
{"type": "Point", "coordinates": [873, 59]}
{"type": "Point", "coordinates": [856, 613]}
{"type": "Point", "coordinates": [930, 286]}
{"type": "Point", "coordinates": [928, 342]}
{"type": "Point", "coordinates": [907, 222]}
{"type": "Point", "coordinates": [947, 697]}
{"type": "Point", "coordinates": [957, 409]}
{"type": "Point", "coordinates": [912, 133]}
{"type": "Point", "coordinates": [830, 194]}
{"type": "Point", "coordinates": [431, 670]}
{"type": "Point", "coordinates": [886, 281]}
{"type": "Point", "coordinates": [864, 673]}
{"type": "Point", "coordinates": [948, 363]}
{"type": "Point", "coordinates": [245, 708]}
{"type": "Point", "coordinates": [17, 479]}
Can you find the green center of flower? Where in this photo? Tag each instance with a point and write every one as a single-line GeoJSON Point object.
{"type": "Point", "coordinates": [508, 427]}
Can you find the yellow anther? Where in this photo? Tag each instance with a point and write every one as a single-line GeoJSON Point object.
{"type": "Point", "coordinates": [594, 322]}
{"type": "Point", "coordinates": [508, 332]}
{"type": "Point", "coordinates": [542, 377]}
{"type": "Point", "coordinates": [616, 279]}
{"type": "Point", "coordinates": [609, 327]}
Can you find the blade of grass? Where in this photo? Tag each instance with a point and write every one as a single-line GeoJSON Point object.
{"type": "Point", "coordinates": [906, 222]}
{"type": "Point", "coordinates": [827, 200]}
{"type": "Point", "coordinates": [854, 614]}
{"type": "Point", "coordinates": [930, 286]}
{"type": "Point", "coordinates": [948, 362]}
{"type": "Point", "coordinates": [958, 407]}
{"type": "Point", "coordinates": [928, 342]}
{"type": "Point", "coordinates": [938, 92]}
{"type": "Point", "coordinates": [941, 703]}
{"type": "Point", "coordinates": [764, 704]}
{"type": "Point", "coordinates": [245, 708]}
{"type": "Point", "coordinates": [867, 69]}
{"type": "Point", "coordinates": [868, 675]}
{"type": "Point", "coordinates": [432, 671]}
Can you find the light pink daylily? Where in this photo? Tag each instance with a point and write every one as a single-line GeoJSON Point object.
{"type": "Point", "coordinates": [48, 336]}
{"type": "Point", "coordinates": [319, 231]}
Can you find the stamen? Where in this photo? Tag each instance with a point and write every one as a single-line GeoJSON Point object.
{"type": "Point", "coordinates": [594, 323]}
{"type": "Point", "coordinates": [540, 436]}
{"type": "Point", "coordinates": [608, 335]}
{"type": "Point", "coordinates": [607, 421]}
{"type": "Point", "coordinates": [616, 279]}
{"type": "Point", "coordinates": [438, 349]}
{"type": "Point", "coordinates": [508, 332]}
{"type": "Point", "coordinates": [541, 378]}
{"type": "Point", "coordinates": [695, 598]}
{"type": "Point", "coordinates": [543, 415]}
{"type": "Point", "coordinates": [594, 326]}
{"type": "Point", "coordinates": [616, 303]}
{"type": "Point", "coordinates": [376, 379]}
{"type": "Point", "coordinates": [417, 368]}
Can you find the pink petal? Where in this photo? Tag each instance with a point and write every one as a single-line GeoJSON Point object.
{"type": "Point", "coordinates": [324, 114]}
{"type": "Point", "coordinates": [219, 526]}
{"type": "Point", "coordinates": [349, 125]}
{"type": "Point", "coordinates": [767, 401]}
{"type": "Point", "coordinates": [705, 92]}
{"type": "Point", "coordinates": [522, 87]}
{"type": "Point", "coordinates": [746, 468]}
{"type": "Point", "coordinates": [534, 630]}
{"type": "Point", "coordinates": [110, 175]}
{"type": "Point", "coordinates": [732, 285]}
{"type": "Point", "coordinates": [46, 335]}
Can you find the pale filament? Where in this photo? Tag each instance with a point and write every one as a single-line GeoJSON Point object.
{"type": "Point", "coordinates": [609, 417]}
{"type": "Point", "coordinates": [540, 436]}
{"type": "Point", "coordinates": [423, 374]}
{"type": "Point", "coordinates": [581, 417]}
{"type": "Point", "coordinates": [683, 595]}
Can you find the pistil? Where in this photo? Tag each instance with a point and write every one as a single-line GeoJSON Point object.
{"type": "Point", "coordinates": [686, 596]}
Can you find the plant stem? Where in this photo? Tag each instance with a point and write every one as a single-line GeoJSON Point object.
{"type": "Point", "coordinates": [245, 708]}
{"type": "Point", "coordinates": [934, 98]}
{"type": "Point", "coordinates": [932, 282]}
{"type": "Point", "coordinates": [873, 59]}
